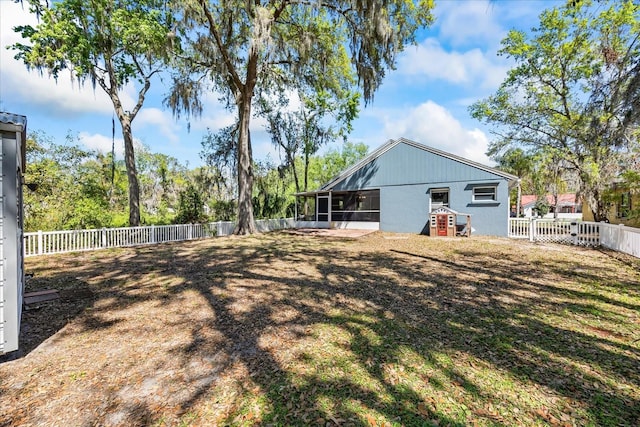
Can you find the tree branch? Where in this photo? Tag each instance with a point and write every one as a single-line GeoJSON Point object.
{"type": "Point", "coordinates": [223, 51]}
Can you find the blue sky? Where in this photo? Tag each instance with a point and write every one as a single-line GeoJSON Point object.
{"type": "Point", "coordinates": [424, 99]}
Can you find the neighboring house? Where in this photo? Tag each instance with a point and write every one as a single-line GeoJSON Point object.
{"type": "Point", "coordinates": [568, 206]}
{"type": "Point", "coordinates": [624, 209]}
{"type": "Point", "coordinates": [13, 137]}
{"type": "Point", "coordinates": [396, 187]}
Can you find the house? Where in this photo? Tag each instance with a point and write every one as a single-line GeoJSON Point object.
{"type": "Point", "coordinates": [624, 207]}
{"type": "Point", "coordinates": [13, 130]}
{"type": "Point", "coordinates": [568, 205]}
{"type": "Point", "coordinates": [397, 186]}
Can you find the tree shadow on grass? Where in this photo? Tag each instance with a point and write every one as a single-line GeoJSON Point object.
{"type": "Point", "coordinates": [299, 331]}
{"type": "Point", "coordinates": [42, 320]}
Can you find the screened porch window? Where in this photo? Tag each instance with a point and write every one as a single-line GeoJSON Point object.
{"type": "Point", "coordinates": [307, 209]}
{"type": "Point", "coordinates": [356, 206]}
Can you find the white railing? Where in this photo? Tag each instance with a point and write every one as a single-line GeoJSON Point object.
{"type": "Point", "coordinates": [583, 233]}
{"type": "Point", "coordinates": [519, 228]}
{"type": "Point", "coordinates": [55, 242]}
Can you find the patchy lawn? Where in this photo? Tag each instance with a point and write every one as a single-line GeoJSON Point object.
{"type": "Point", "coordinates": [278, 329]}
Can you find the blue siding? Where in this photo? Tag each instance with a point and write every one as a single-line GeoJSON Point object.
{"type": "Point", "coordinates": [404, 209]}
{"type": "Point", "coordinates": [406, 164]}
{"type": "Point", "coordinates": [490, 219]}
{"type": "Point", "coordinates": [405, 174]}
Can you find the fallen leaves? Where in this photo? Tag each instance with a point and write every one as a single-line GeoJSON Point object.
{"type": "Point", "coordinates": [372, 332]}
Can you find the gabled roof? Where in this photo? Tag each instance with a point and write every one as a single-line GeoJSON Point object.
{"type": "Point", "coordinates": [392, 143]}
{"type": "Point", "coordinates": [567, 199]}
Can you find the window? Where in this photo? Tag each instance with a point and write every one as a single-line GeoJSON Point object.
{"type": "Point", "coordinates": [484, 194]}
{"type": "Point", "coordinates": [307, 209]}
{"type": "Point", "coordinates": [624, 205]}
{"type": "Point", "coordinates": [439, 198]}
{"type": "Point", "coordinates": [356, 206]}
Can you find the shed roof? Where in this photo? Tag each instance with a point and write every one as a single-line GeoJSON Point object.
{"type": "Point", "coordinates": [392, 143]}
{"type": "Point", "coordinates": [16, 123]}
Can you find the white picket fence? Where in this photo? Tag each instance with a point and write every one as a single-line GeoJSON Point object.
{"type": "Point", "coordinates": [616, 237]}
{"type": "Point", "coordinates": [621, 238]}
{"type": "Point", "coordinates": [55, 242]}
{"type": "Point", "coordinates": [582, 233]}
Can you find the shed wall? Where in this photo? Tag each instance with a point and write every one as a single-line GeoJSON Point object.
{"type": "Point", "coordinates": [3, 290]}
{"type": "Point", "coordinates": [11, 267]}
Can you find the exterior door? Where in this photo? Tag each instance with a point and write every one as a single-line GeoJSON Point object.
{"type": "Point", "coordinates": [323, 208]}
{"type": "Point", "coordinates": [441, 224]}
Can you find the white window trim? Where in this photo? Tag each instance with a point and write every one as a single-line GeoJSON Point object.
{"type": "Point", "coordinates": [492, 187]}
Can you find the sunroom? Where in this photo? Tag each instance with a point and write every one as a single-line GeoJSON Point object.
{"type": "Point", "coordinates": [339, 209]}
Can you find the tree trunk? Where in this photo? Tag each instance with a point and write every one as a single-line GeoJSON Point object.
{"type": "Point", "coordinates": [599, 208]}
{"type": "Point", "coordinates": [306, 180]}
{"type": "Point", "coordinates": [245, 224]}
{"type": "Point", "coordinates": [292, 160]}
{"type": "Point", "coordinates": [306, 170]}
{"type": "Point", "coordinates": [132, 174]}
{"type": "Point", "coordinates": [518, 207]}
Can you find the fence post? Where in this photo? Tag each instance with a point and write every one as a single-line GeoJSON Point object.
{"type": "Point", "coordinates": [574, 232]}
{"type": "Point", "coordinates": [619, 239]}
{"type": "Point", "coordinates": [532, 229]}
{"type": "Point", "coordinates": [190, 233]}
{"type": "Point", "coordinates": [103, 239]}
{"type": "Point", "coordinates": [152, 234]}
{"type": "Point", "coordinates": [219, 229]}
{"type": "Point", "coordinates": [40, 242]}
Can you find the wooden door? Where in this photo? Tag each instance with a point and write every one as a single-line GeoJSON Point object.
{"type": "Point", "coordinates": [441, 224]}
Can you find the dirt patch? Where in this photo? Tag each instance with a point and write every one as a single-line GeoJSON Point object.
{"type": "Point", "coordinates": [283, 329]}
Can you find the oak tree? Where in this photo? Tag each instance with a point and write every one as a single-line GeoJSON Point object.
{"type": "Point", "coordinates": [243, 49]}
{"type": "Point", "coordinates": [110, 43]}
{"type": "Point", "coordinates": [573, 91]}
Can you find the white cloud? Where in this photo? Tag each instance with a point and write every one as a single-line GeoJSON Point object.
{"type": "Point", "coordinates": [101, 143]}
{"type": "Point", "coordinates": [64, 97]}
{"type": "Point", "coordinates": [486, 22]}
{"type": "Point", "coordinates": [429, 59]}
{"type": "Point", "coordinates": [433, 125]}
{"type": "Point", "coordinates": [473, 21]}
{"type": "Point", "coordinates": [213, 119]}
{"type": "Point", "coordinates": [161, 121]}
